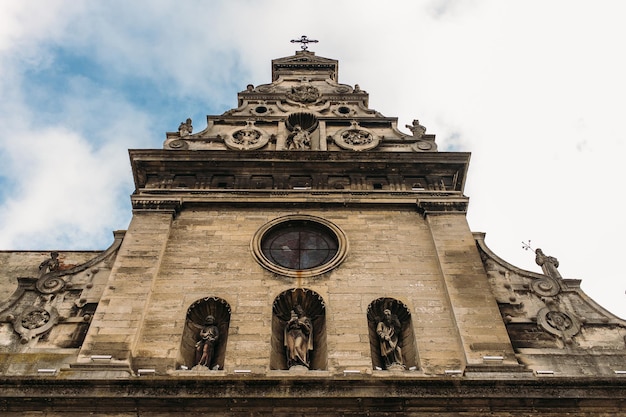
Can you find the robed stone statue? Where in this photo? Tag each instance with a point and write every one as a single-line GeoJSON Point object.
{"type": "Point", "coordinates": [388, 330]}
{"type": "Point", "coordinates": [207, 340]}
{"type": "Point", "coordinates": [298, 338]}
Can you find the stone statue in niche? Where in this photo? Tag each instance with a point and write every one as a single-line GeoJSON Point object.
{"type": "Point", "coordinates": [298, 338]}
{"type": "Point", "coordinates": [49, 265]}
{"type": "Point", "coordinates": [548, 264]}
{"type": "Point", "coordinates": [207, 340]}
{"type": "Point", "coordinates": [388, 330]}
{"type": "Point", "coordinates": [185, 128]}
{"type": "Point", "coordinates": [299, 139]}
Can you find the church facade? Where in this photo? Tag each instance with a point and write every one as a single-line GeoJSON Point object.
{"type": "Point", "coordinates": [302, 255]}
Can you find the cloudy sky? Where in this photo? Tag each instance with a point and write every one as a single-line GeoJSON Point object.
{"type": "Point", "coordinates": [536, 90]}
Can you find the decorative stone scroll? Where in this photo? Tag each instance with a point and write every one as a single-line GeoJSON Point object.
{"type": "Point", "coordinates": [247, 138]}
{"type": "Point", "coordinates": [545, 287]}
{"type": "Point", "coordinates": [50, 284]}
{"type": "Point", "coordinates": [356, 138]}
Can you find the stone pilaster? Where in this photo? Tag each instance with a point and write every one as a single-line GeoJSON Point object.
{"type": "Point", "coordinates": [119, 317]}
{"type": "Point", "coordinates": [480, 326]}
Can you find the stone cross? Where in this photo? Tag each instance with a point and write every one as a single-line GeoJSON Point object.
{"type": "Point", "coordinates": [304, 40]}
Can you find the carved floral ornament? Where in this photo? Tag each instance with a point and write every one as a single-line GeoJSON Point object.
{"type": "Point", "coordinates": [560, 324]}
{"type": "Point", "coordinates": [356, 138]}
{"type": "Point", "coordinates": [34, 321]}
{"type": "Point", "coordinates": [248, 137]}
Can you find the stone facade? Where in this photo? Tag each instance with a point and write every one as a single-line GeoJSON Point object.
{"type": "Point", "coordinates": [301, 256]}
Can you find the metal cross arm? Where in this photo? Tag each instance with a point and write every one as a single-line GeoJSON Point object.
{"type": "Point", "coordinates": [304, 40]}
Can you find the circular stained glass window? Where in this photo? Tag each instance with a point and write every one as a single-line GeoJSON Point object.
{"type": "Point", "coordinates": [299, 246]}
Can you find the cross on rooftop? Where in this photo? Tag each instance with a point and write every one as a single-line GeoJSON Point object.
{"type": "Point", "coordinates": [304, 40]}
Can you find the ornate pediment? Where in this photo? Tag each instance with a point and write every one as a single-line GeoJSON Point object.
{"type": "Point", "coordinates": [544, 312]}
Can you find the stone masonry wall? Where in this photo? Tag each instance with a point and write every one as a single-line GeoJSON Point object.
{"type": "Point", "coordinates": [391, 254]}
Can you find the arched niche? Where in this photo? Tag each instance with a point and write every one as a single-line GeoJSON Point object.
{"type": "Point", "coordinates": [195, 319]}
{"type": "Point", "coordinates": [406, 339]}
{"type": "Point", "coordinates": [313, 306]}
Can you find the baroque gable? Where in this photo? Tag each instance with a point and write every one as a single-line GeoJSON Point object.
{"type": "Point", "coordinates": [552, 324]}
{"type": "Point", "coordinates": [304, 108]}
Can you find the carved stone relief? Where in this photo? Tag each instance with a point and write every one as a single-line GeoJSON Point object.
{"type": "Point", "coordinates": [304, 93]}
{"type": "Point", "coordinates": [246, 138]}
{"type": "Point", "coordinates": [178, 144]}
{"type": "Point", "coordinates": [54, 309]}
{"type": "Point", "coordinates": [560, 324]}
{"type": "Point", "coordinates": [35, 321]}
{"type": "Point", "coordinates": [423, 145]}
{"type": "Point", "coordinates": [356, 138]}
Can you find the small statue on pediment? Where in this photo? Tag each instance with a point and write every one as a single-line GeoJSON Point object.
{"type": "Point", "coordinates": [548, 264]}
{"type": "Point", "coordinates": [185, 128]}
{"type": "Point", "coordinates": [50, 265]}
{"type": "Point", "coordinates": [417, 129]}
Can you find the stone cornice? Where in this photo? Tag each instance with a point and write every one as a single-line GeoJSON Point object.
{"type": "Point", "coordinates": [168, 169]}
{"type": "Point", "coordinates": [194, 393]}
{"type": "Point", "coordinates": [429, 205]}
